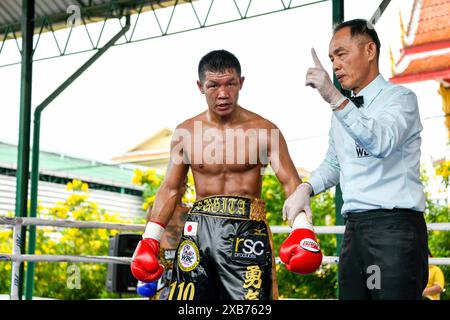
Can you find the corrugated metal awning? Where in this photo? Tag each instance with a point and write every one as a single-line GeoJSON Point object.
{"type": "Point", "coordinates": [56, 13]}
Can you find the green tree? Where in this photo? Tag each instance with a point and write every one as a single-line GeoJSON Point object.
{"type": "Point", "coordinates": [5, 247]}
{"type": "Point", "coordinates": [439, 241]}
{"type": "Point", "coordinates": [60, 280]}
{"type": "Point", "coordinates": [151, 181]}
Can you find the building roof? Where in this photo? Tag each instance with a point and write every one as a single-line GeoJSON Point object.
{"type": "Point", "coordinates": [427, 68]}
{"type": "Point", "coordinates": [426, 54]}
{"type": "Point", "coordinates": [59, 165]}
{"type": "Point", "coordinates": [431, 23]}
{"type": "Point", "coordinates": [158, 141]}
{"type": "Point", "coordinates": [152, 152]}
{"type": "Point", "coordinates": [55, 13]}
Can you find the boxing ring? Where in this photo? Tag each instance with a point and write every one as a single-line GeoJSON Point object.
{"type": "Point", "coordinates": [17, 224]}
{"type": "Point", "coordinates": [22, 24]}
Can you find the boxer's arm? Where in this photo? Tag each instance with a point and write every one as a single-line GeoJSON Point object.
{"type": "Point", "coordinates": [145, 265]}
{"type": "Point", "coordinates": [149, 211]}
{"type": "Point", "coordinates": [167, 195]}
{"type": "Point", "coordinates": [282, 164]}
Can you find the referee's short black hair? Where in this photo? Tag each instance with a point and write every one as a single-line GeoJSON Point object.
{"type": "Point", "coordinates": [218, 61]}
{"type": "Point", "coordinates": [361, 27]}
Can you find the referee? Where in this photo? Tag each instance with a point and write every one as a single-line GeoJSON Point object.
{"type": "Point", "coordinates": [374, 153]}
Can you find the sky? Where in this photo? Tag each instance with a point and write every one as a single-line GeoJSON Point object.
{"type": "Point", "coordinates": [137, 89]}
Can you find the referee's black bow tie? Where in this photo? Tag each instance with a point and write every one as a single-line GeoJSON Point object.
{"type": "Point", "coordinates": [358, 101]}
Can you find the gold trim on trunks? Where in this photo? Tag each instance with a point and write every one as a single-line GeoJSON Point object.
{"type": "Point", "coordinates": [235, 207]}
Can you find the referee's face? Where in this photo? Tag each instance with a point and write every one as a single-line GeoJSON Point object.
{"type": "Point", "coordinates": [351, 62]}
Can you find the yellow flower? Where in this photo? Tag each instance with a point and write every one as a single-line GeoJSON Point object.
{"type": "Point", "coordinates": [78, 214]}
{"type": "Point", "coordinates": [95, 215]}
{"type": "Point", "coordinates": [62, 212]}
{"type": "Point", "coordinates": [190, 178]}
{"type": "Point", "coordinates": [77, 185]}
{"type": "Point", "coordinates": [84, 187]}
{"type": "Point", "coordinates": [151, 177]}
{"type": "Point", "coordinates": [150, 200]}
{"type": "Point", "coordinates": [443, 169]}
{"type": "Point", "coordinates": [75, 199]}
{"type": "Point", "coordinates": [137, 178]}
{"type": "Point", "coordinates": [102, 234]}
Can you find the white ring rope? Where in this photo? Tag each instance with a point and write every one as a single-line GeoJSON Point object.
{"type": "Point", "coordinates": [16, 258]}
{"type": "Point", "coordinates": [340, 229]}
{"type": "Point", "coordinates": [18, 222]}
{"type": "Point", "coordinates": [11, 221]}
{"type": "Point", "coordinates": [62, 258]}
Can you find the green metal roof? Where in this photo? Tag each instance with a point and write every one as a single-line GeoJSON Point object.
{"type": "Point", "coordinates": [59, 165]}
{"type": "Point", "coordinates": [54, 14]}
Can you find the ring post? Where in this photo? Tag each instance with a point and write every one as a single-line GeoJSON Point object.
{"type": "Point", "coordinates": [35, 149]}
{"type": "Point", "coordinates": [16, 262]}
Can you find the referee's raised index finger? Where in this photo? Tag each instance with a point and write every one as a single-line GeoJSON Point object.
{"type": "Point", "coordinates": [315, 58]}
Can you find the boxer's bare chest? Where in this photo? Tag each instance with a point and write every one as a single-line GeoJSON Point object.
{"type": "Point", "coordinates": [235, 149]}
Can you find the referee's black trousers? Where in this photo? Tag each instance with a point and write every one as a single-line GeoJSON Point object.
{"type": "Point", "coordinates": [384, 256]}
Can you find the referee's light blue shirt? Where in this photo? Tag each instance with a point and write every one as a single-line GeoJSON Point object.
{"type": "Point", "coordinates": [374, 151]}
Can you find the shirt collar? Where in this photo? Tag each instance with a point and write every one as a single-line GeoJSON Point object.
{"type": "Point", "coordinates": [372, 89]}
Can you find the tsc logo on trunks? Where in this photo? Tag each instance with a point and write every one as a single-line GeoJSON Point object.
{"type": "Point", "coordinates": [188, 256]}
{"type": "Point", "coordinates": [360, 151]}
{"type": "Point", "coordinates": [310, 245]}
{"type": "Point", "coordinates": [250, 249]}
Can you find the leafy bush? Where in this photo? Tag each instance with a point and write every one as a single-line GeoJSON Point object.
{"type": "Point", "coordinates": [56, 280]}
{"type": "Point", "coordinates": [439, 241]}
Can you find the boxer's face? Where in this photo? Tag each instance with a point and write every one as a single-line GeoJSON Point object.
{"type": "Point", "coordinates": [221, 90]}
{"type": "Point", "coordinates": [351, 59]}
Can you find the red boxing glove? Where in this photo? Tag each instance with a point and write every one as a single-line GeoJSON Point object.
{"type": "Point", "coordinates": [145, 265]}
{"type": "Point", "coordinates": [300, 252]}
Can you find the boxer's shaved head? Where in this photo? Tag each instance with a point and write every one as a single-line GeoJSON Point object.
{"type": "Point", "coordinates": [218, 61]}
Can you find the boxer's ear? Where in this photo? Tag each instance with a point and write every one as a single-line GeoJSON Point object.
{"type": "Point", "coordinates": [241, 82]}
{"type": "Point", "coordinates": [200, 87]}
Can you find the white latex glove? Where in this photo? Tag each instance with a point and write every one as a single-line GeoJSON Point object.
{"type": "Point", "coordinates": [319, 79]}
{"type": "Point", "coordinates": [297, 202]}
